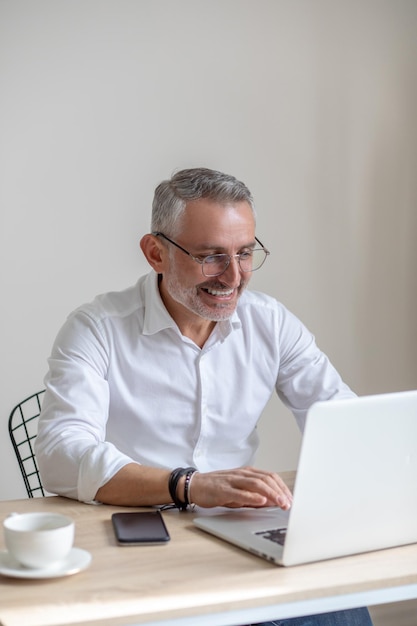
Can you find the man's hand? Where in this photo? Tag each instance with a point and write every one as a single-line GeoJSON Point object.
{"type": "Point", "coordinates": [246, 486]}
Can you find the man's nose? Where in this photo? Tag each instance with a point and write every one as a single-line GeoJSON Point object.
{"type": "Point", "coordinates": [233, 271]}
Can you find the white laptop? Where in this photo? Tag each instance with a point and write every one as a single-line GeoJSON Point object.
{"type": "Point", "coordinates": [355, 490]}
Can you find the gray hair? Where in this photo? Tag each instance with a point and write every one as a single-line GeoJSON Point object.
{"type": "Point", "coordinates": [171, 196]}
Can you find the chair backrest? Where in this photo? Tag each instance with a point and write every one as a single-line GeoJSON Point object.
{"type": "Point", "coordinates": [23, 428]}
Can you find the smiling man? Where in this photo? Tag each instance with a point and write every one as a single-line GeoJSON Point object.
{"type": "Point", "coordinates": [153, 393]}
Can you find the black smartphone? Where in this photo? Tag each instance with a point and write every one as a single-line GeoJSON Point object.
{"type": "Point", "coordinates": [140, 528]}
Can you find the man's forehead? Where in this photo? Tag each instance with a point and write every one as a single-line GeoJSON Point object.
{"type": "Point", "coordinates": [207, 203]}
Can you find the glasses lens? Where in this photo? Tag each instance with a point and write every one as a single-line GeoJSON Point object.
{"type": "Point", "coordinates": [215, 264]}
{"type": "Point", "coordinates": [253, 260]}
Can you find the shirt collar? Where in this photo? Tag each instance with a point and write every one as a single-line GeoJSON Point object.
{"type": "Point", "coordinates": [157, 317]}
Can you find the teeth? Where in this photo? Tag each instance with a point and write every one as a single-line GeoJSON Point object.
{"type": "Point", "coordinates": [216, 292]}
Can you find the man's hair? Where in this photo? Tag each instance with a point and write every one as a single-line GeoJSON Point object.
{"type": "Point", "coordinates": [171, 196]}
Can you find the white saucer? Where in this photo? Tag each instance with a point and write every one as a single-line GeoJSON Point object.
{"type": "Point", "coordinates": [76, 561]}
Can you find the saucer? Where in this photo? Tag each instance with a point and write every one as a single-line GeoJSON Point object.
{"type": "Point", "coordinates": [76, 561]}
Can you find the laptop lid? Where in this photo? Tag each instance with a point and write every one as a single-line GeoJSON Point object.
{"type": "Point", "coordinates": [355, 489]}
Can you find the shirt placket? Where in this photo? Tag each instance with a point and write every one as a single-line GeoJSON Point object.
{"type": "Point", "coordinates": [201, 447]}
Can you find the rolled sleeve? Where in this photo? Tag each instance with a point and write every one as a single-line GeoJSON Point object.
{"type": "Point", "coordinates": [74, 458]}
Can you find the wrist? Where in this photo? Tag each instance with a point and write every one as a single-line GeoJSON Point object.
{"type": "Point", "coordinates": [178, 485]}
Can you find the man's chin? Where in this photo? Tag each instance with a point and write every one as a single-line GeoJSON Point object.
{"type": "Point", "coordinates": [219, 314]}
{"type": "Point", "coordinates": [220, 311]}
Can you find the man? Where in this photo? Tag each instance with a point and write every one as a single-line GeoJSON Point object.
{"type": "Point", "coordinates": [176, 371]}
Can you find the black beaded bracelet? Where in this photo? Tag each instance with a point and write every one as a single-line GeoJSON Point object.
{"type": "Point", "coordinates": [187, 485]}
{"type": "Point", "coordinates": [175, 476]}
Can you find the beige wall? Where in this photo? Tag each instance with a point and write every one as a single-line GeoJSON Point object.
{"type": "Point", "coordinates": [311, 102]}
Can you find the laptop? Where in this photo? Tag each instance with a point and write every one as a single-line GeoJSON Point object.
{"type": "Point", "coordinates": [355, 489]}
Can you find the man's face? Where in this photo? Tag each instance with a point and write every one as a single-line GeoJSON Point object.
{"type": "Point", "coordinates": [208, 228]}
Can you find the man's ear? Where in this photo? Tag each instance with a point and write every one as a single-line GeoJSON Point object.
{"type": "Point", "coordinates": [154, 251]}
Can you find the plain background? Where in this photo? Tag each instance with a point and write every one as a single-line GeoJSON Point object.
{"type": "Point", "coordinates": [311, 102]}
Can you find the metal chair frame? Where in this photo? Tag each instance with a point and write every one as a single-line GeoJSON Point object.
{"type": "Point", "coordinates": [23, 428]}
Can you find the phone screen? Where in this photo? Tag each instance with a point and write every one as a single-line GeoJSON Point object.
{"type": "Point", "coordinates": [140, 528]}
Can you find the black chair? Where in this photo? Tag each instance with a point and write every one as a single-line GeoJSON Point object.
{"type": "Point", "coordinates": [23, 428]}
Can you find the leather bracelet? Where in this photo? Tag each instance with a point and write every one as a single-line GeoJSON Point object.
{"type": "Point", "coordinates": [175, 476]}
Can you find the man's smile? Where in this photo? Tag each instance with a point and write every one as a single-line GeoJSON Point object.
{"type": "Point", "coordinates": [223, 293]}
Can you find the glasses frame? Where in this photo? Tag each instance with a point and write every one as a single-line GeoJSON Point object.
{"type": "Point", "coordinates": [229, 256]}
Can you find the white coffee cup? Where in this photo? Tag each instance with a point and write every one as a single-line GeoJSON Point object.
{"type": "Point", "coordinates": [38, 540]}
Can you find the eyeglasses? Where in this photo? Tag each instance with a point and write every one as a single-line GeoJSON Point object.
{"type": "Point", "coordinates": [215, 264]}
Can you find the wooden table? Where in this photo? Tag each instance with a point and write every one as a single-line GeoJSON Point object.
{"type": "Point", "coordinates": [196, 579]}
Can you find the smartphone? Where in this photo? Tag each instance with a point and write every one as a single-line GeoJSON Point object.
{"type": "Point", "coordinates": [140, 528]}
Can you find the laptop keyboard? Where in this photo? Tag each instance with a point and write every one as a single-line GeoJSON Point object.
{"type": "Point", "coordinates": [277, 535]}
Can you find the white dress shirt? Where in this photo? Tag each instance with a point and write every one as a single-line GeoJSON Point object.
{"type": "Point", "coordinates": [125, 385]}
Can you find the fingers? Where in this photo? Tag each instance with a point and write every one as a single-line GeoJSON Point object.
{"type": "Point", "coordinates": [273, 485]}
{"type": "Point", "coordinates": [269, 485]}
{"type": "Point", "coordinates": [241, 487]}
